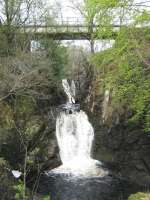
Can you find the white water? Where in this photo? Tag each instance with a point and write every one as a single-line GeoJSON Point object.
{"type": "Point", "coordinates": [70, 91]}
{"type": "Point", "coordinates": [75, 136]}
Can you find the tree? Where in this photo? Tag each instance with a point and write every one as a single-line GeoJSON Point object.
{"type": "Point", "coordinates": [15, 15]}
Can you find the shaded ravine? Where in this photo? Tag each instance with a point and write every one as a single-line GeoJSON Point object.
{"type": "Point", "coordinates": [80, 177]}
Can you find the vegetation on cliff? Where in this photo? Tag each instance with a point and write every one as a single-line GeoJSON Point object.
{"type": "Point", "coordinates": [124, 69]}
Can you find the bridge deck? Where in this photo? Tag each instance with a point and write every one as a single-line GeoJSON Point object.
{"type": "Point", "coordinates": [62, 31]}
{"type": "Point", "coordinates": [67, 32]}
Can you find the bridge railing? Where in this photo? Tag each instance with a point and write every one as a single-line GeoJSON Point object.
{"type": "Point", "coordinates": [70, 21]}
{"type": "Point", "coordinates": [57, 21]}
{"type": "Point", "coordinates": [66, 26]}
{"type": "Point", "coordinates": [57, 29]}
{"type": "Point", "coordinates": [71, 24]}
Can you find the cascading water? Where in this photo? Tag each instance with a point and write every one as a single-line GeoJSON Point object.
{"type": "Point", "coordinates": [75, 136]}
{"type": "Point", "coordinates": [79, 177]}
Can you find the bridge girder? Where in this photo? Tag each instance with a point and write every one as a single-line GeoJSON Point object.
{"type": "Point", "coordinates": [73, 36]}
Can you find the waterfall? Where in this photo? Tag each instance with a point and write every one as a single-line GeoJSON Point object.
{"type": "Point", "coordinates": [75, 137]}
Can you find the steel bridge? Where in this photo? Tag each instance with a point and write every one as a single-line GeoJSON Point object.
{"type": "Point", "coordinates": [72, 29]}
{"type": "Point", "coordinates": [68, 32]}
{"type": "Point", "coordinates": [68, 29]}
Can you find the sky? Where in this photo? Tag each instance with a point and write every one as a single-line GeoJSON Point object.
{"type": "Point", "coordinates": [68, 8]}
{"type": "Point", "coordinates": [68, 11]}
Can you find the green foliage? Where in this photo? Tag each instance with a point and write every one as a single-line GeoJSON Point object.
{"type": "Point", "coordinates": [57, 55]}
{"type": "Point", "coordinates": [142, 17]}
{"type": "Point", "coordinates": [46, 198]}
{"type": "Point", "coordinates": [20, 192]}
{"type": "Point", "coordinates": [6, 115]}
{"type": "Point", "coordinates": [102, 3]}
{"type": "Point", "coordinates": [19, 188]}
{"type": "Point", "coordinates": [103, 12]}
{"type": "Point", "coordinates": [139, 196]}
{"type": "Point", "coordinates": [124, 69]}
{"type": "Point", "coordinates": [2, 162]}
{"type": "Point", "coordinates": [24, 105]}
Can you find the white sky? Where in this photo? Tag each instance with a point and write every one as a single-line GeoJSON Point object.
{"type": "Point", "coordinates": [67, 8]}
{"type": "Point", "coordinates": [68, 11]}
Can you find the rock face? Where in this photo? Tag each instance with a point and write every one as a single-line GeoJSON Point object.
{"type": "Point", "coordinates": [126, 150]}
